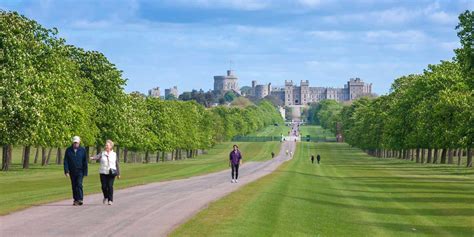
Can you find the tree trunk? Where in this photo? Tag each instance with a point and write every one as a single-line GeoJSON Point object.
{"type": "Point", "coordinates": [26, 157]}
{"type": "Point", "coordinates": [469, 157]}
{"type": "Point", "coordinates": [423, 156]}
{"type": "Point", "coordinates": [118, 153]}
{"type": "Point", "coordinates": [6, 157]}
{"type": "Point", "coordinates": [43, 156]}
{"type": "Point", "coordinates": [49, 156]}
{"type": "Point", "coordinates": [163, 156]}
{"type": "Point", "coordinates": [450, 156]}
{"type": "Point", "coordinates": [443, 156]}
{"type": "Point", "coordinates": [88, 153]}
{"type": "Point", "coordinates": [429, 156]}
{"type": "Point", "coordinates": [36, 155]}
{"type": "Point", "coordinates": [417, 155]}
{"type": "Point", "coordinates": [58, 156]}
{"type": "Point", "coordinates": [435, 157]}
{"type": "Point", "coordinates": [459, 156]}
{"type": "Point", "coordinates": [147, 158]}
{"type": "Point", "coordinates": [125, 155]}
{"type": "Point", "coordinates": [98, 150]}
{"type": "Point", "coordinates": [157, 156]}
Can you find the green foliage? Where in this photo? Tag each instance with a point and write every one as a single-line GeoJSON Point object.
{"type": "Point", "coordinates": [325, 113]}
{"type": "Point", "coordinates": [230, 96]}
{"type": "Point", "coordinates": [51, 91]}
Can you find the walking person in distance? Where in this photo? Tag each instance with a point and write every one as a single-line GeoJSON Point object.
{"type": "Point", "coordinates": [235, 160]}
{"type": "Point", "coordinates": [318, 157]}
{"type": "Point", "coordinates": [75, 167]}
{"type": "Point", "coordinates": [108, 169]}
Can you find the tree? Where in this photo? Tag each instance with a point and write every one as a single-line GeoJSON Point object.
{"type": "Point", "coordinates": [229, 96]}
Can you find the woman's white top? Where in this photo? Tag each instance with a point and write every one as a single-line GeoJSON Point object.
{"type": "Point", "coordinates": [107, 161]}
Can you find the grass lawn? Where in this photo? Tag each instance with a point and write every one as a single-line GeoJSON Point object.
{"type": "Point", "coordinates": [272, 131]}
{"type": "Point", "coordinates": [23, 188]}
{"type": "Point", "coordinates": [316, 131]}
{"type": "Point", "coordinates": [349, 194]}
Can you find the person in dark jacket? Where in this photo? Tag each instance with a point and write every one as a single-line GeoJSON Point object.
{"type": "Point", "coordinates": [235, 159]}
{"type": "Point", "coordinates": [318, 157]}
{"type": "Point", "coordinates": [75, 167]}
{"type": "Point", "coordinates": [312, 159]}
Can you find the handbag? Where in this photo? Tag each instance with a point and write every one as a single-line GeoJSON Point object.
{"type": "Point", "coordinates": [113, 172]}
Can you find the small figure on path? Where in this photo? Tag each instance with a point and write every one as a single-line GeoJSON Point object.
{"type": "Point", "coordinates": [75, 167]}
{"type": "Point", "coordinates": [287, 152]}
{"type": "Point", "coordinates": [273, 154]}
{"type": "Point", "coordinates": [318, 157]}
{"type": "Point", "coordinates": [235, 159]}
{"type": "Point", "coordinates": [109, 168]}
{"type": "Point", "coordinates": [291, 154]}
{"type": "Point", "coordinates": [312, 159]}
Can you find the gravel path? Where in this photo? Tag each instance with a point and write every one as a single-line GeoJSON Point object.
{"type": "Point", "coordinates": [148, 210]}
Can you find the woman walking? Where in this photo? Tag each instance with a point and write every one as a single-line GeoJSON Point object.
{"type": "Point", "coordinates": [109, 168]}
{"type": "Point", "coordinates": [235, 159]}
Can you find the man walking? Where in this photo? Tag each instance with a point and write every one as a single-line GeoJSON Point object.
{"type": "Point", "coordinates": [235, 159]}
{"type": "Point", "coordinates": [318, 157]}
{"type": "Point", "coordinates": [312, 159]}
{"type": "Point", "coordinates": [75, 166]}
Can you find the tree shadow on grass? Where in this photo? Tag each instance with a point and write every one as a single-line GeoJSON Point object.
{"type": "Point", "coordinates": [423, 229]}
{"type": "Point", "coordinates": [421, 180]}
{"type": "Point", "coordinates": [462, 212]}
{"type": "Point", "coordinates": [413, 192]}
{"type": "Point", "coordinates": [430, 200]}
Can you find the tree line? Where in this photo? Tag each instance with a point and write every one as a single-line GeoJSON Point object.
{"type": "Point", "coordinates": [427, 117]}
{"type": "Point", "coordinates": [51, 91]}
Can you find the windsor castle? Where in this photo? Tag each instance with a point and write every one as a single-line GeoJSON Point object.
{"type": "Point", "coordinates": [292, 94]}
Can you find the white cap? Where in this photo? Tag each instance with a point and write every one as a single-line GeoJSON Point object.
{"type": "Point", "coordinates": [76, 139]}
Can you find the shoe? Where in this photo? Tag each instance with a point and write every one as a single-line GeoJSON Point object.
{"type": "Point", "coordinates": [75, 203]}
{"type": "Point", "coordinates": [104, 201]}
{"type": "Point", "coordinates": [110, 203]}
{"type": "Point", "coordinates": [79, 203]}
{"type": "Point", "coordinates": [236, 181]}
{"type": "Point", "coordinates": [233, 181]}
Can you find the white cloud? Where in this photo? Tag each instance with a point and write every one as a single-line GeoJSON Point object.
{"type": "Point", "coordinates": [248, 5]}
{"type": "Point", "coordinates": [411, 36]}
{"type": "Point", "coordinates": [245, 29]}
{"type": "Point", "coordinates": [442, 17]}
{"type": "Point", "coordinates": [88, 24]}
{"type": "Point", "coordinates": [450, 46]}
{"type": "Point", "coordinates": [310, 3]}
{"type": "Point", "coordinates": [329, 35]}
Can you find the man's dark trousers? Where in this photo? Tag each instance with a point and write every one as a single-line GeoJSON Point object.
{"type": "Point", "coordinates": [76, 182]}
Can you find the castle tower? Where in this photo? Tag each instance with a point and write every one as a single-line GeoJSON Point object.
{"type": "Point", "coordinates": [226, 83]}
{"type": "Point", "coordinates": [304, 92]}
{"type": "Point", "coordinates": [289, 92]}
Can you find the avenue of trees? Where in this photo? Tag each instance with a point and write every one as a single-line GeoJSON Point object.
{"type": "Point", "coordinates": [428, 117]}
{"type": "Point", "coordinates": [51, 91]}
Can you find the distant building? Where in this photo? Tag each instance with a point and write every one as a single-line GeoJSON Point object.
{"type": "Point", "coordinates": [226, 83]}
{"type": "Point", "coordinates": [304, 94]}
{"type": "Point", "coordinates": [155, 92]}
{"type": "Point", "coordinates": [172, 91]}
{"type": "Point", "coordinates": [260, 91]}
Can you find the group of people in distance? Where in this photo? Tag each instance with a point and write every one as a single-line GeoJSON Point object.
{"type": "Point", "coordinates": [318, 158]}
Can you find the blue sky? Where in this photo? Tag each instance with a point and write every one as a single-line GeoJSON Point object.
{"type": "Point", "coordinates": [185, 43]}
